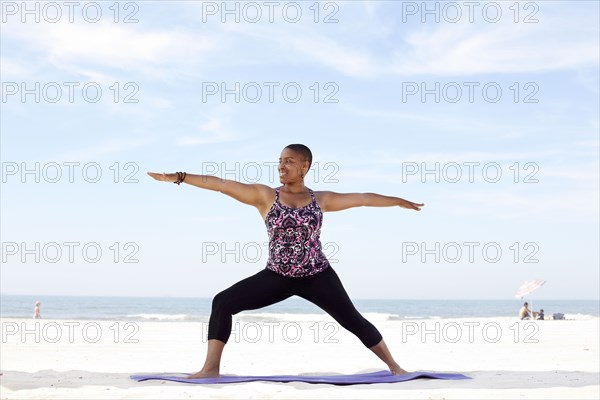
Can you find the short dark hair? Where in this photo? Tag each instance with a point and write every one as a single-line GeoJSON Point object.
{"type": "Point", "coordinates": [302, 150]}
{"type": "Point", "coordinates": [525, 304]}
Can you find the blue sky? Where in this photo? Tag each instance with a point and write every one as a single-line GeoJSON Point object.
{"type": "Point", "coordinates": [361, 110]}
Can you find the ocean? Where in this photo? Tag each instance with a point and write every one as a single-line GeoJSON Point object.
{"type": "Point", "coordinates": [174, 309]}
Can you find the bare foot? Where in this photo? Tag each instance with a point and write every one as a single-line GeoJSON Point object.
{"type": "Point", "coordinates": [204, 374]}
{"type": "Point", "coordinates": [396, 370]}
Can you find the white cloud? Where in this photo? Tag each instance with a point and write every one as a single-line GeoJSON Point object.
{"type": "Point", "coordinates": [583, 173]}
{"type": "Point", "coordinates": [595, 144]}
{"type": "Point", "coordinates": [108, 147]}
{"type": "Point", "coordinates": [13, 68]}
{"type": "Point", "coordinates": [468, 156]}
{"type": "Point", "coordinates": [92, 74]}
{"type": "Point", "coordinates": [459, 49]}
{"type": "Point", "coordinates": [448, 49]}
{"type": "Point", "coordinates": [74, 47]}
{"type": "Point", "coordinates": [196, 140]}
{"type": "Point", "coordinates": [333, 54]}
{"type": "Point", "coordinates": [562, 40]}
{"type": "Point", "coordinates": [299, 45]}
{"type": "Point", "coordinates": [510, 204]}
{"type": "Point", "coordinates": [588, 79]}
{"type": "Point", "coordinates": [451, 121]}
{"type": "Point", "coordinates": [546, 164]}
{"type": "Point", "coordinates": [217, 133]}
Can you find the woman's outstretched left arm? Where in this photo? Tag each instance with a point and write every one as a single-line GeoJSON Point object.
{"type": "Point", "coordinates": [332, 201]}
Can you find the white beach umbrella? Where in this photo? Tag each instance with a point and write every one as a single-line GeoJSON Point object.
{"type": "Point", "coordinates": [528, 288]}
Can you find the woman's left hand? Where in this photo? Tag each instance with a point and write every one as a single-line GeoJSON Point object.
{"type": "Point", "coordinates": [410, 205]}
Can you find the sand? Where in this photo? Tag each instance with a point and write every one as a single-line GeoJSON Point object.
{"type": "Point", "coordinates": [506, 358]}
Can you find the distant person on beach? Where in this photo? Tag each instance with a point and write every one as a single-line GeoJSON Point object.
{"type": "Point", "coordinates": [293, 215]}
{"type": "Point", "coordinates": [526, 313]}
{"type": "Point", "coordinates": [36, 310]}
{"type": "Point", "coordinates": [541, 314]}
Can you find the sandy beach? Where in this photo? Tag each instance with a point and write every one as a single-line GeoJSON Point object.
{"type": "Point", "coordinates": [506, 358]}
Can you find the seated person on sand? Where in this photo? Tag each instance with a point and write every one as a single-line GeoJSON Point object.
{"type": "Point", "coordinates": [541, 314]}
{"type": "Point", "coordinates": [525, 313]}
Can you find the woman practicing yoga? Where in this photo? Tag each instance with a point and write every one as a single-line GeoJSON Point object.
{"type": "Point", "coordinates": [296, 264]}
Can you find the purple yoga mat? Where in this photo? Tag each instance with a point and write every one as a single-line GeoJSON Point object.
{"type": "Point", "coordinates": [372, 377]}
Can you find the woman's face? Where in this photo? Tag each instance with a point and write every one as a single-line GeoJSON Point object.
{"type": "Point", "coordinates": [291, 166]}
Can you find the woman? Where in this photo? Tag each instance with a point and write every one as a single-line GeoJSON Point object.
{"type": "Point", "coordinates": [36, 310]}
{"type": "Point", "coordinates": [296, 265]}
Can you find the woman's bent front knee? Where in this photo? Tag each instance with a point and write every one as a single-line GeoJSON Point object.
{"type": "Point", "coordinates": [220, 302]}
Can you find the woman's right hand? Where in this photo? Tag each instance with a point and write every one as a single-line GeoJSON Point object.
{"type": "Point", "coordinates": [163, 177]}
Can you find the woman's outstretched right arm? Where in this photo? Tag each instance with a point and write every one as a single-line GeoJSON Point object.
{"type": "Point", "coordinates": [252, 194]}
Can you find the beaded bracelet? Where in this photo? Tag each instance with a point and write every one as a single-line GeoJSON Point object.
{"type": "Point", "coordinates": [180, 177]}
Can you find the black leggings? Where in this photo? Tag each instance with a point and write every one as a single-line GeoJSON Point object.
{"type": "Point", "coordinates": [267, 287]}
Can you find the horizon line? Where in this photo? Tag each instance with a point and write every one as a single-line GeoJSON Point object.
{"type": "Point", "coordinates": [353, 298]}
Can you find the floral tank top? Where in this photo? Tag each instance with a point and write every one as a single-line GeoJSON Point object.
{"type": "Point", "coordinates": [294, 244]}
